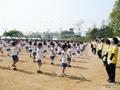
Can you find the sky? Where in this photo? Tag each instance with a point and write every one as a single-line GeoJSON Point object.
{"type": "Point", "coordinates": [52, 15]}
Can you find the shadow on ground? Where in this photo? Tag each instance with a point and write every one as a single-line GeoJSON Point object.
{"type": "Point", "coordinates": [18, 70]}
{"type": "Point", "coordinates": [78, 67]}
{"type": "Point", "coordinates": [79, 79]}
{"type": "Point", "coordinates": [5, 68]}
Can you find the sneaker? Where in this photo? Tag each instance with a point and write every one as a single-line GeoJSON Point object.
{"type": "Point", "coordinates": [52, 63]}
{"type": "Point", "coordinates": [14, 68]}
{"type": "Point", "coordinates": [38, 71]}
{"type": "Point", "coordinates": [69, 65]}
{"type": "Point", "coordinates": [109, 81]}
{"type": "Point", "coordinates": [34, 61]}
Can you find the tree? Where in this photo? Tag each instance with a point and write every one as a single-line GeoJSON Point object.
{"type": "Point", "coordinates": [103, 32]}
{"type": "Point", "coordinates": [93, 33]}
{"type": "Point", "coordinates": [115, 18]}
{"type": "Point", "coordinates": [13, 33]}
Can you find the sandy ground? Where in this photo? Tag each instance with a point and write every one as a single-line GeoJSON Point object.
{"type": "Point", "coordinates": [87, 73]}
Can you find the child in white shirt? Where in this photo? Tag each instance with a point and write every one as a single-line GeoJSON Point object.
{"type": "Point", "coordinates": [64, 59]}
{"type": "Point", "coordinates": [15, 57]}
{"type": "Point", "coordinates": [59, 51]}
{"type": "Point", "coordinates": [39, 55]}
{"type": "Point", "coordinates": [34, 51]}
{"type": "Point", "coordinates": [69, 52]}
{"type": "Point", "coordinates": [52, 53]}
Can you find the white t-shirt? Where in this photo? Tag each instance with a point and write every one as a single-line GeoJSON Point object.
{"type": "Point", "coordinates": [26, 45]}
{"type": "Point", "coordinates": [69, 52]}
{"type": "Point", "coordinates": [74, 50]}
{"type": "Point", "coordinates": [34, 49]}
{"type": "Point", "coordinates": [45, 48]}
{"type": "Point", "coordinates": [81, 47]}
{"type": "Point", "coordinates": [39, 54]}
{"type": "Point", "coordinates": [52, 52]}
{"type": "Point", "coordinates": [19, 45]}
{"type": "Point", "coordinates": [59, 49]}
{"type": "Point", "coordinates": [64, 57]}
{"type": "Point", "coordinates": [15, 50]}
{"type": "Point", "coordinates": [30, 47]}
{"type": "Point", "coordinates": [8, 46]}
{"type": "Point", "coordinates": [78, 48]}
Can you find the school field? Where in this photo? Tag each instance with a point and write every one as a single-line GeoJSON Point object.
{"type": "Point", "coordinates": [86, 73]}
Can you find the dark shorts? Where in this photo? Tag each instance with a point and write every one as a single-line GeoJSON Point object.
{"type": "Point", "coordinates": [8, 49]}
{"type": "Point", "coordinates": [59, 53]}
{"type": "Point", "coordinates": [78, 51]}
{"type": "Point", "coordinates": [56, 49]}
{"type": "Point", "coordinates": [34, 53]}
{"type": "Point", "coordinates": [30, 50]}
{"type": "Point", "coordinates": [69, 59]}
{"type": "Point", "coordinates": [15, 58]}
{"type": "Point", "coordinates": [27, 48]}
{"type": "Point", "coordinates": [52, 57]}
{"type": "Point", "coordinates": [64, 65]}
{"type": "Point", "coordinates": [73, 53]}
{"type": "Point", "coordinates": [39, 62]}
{"type": "Point", "coordinates": [44, 51]}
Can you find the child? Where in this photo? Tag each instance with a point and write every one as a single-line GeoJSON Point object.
{"type": "Point", "coordinates": [39, 56]}
{"type": "Point", "coordinates": [81, 48]}
{"type": "Point", "coordinates": [78, 50]}
{"type": "Point", "coordinates": [64, 59]}
{"type": "Point", "coordinates": [74, 51]}
{"type": "Point", "coordinates": [45, 48]}
{"type": "Point", "coordinates": [15, 51]}
{"type": "Point", "coordinates": [34, 51]}
{"type": "Point", "coordinates": [1, 46]}
{"type": "Point", "coordinates": [59, 50]}
{"type": "Point", "coordinates": [94, 47]}
{"type": "Point", "coordinates": [8, 48]}
{"type": "Point", "coordinates": [69, 55]}
{"type": "Point", "coordinates": [30, 49]}
{"type": "Point", "coordinates": [52, 53]}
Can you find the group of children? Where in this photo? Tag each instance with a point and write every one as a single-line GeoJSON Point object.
{"type": "Point", "coordinates": [107, 50]}
{"type": "Point", "coordinates": [66, 51]}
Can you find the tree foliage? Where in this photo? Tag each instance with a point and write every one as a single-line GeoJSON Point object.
{"type": "Point", "coordinates": [115, 18]}
{"type": "Point", "coordinates": [13, 33]}
{"type": "Point", "coordinates": [103, 32]}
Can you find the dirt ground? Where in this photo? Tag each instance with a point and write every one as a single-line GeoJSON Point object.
{"type": "Point", "coordinates": [86, 73]}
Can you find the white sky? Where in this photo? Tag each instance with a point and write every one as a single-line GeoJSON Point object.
{"type": "Point", "coordinates": [41, 15]}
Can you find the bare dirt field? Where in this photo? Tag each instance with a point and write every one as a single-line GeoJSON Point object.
{"type": "Point", "coordinates": [86, 73]}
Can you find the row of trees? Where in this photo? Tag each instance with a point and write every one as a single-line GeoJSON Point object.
{"type": "Point", "coordinates": [13, 33]}
{"type": "Point", "coordinates": [102, 32]}
{"type": "Point", "coordinates": [19, 34]}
